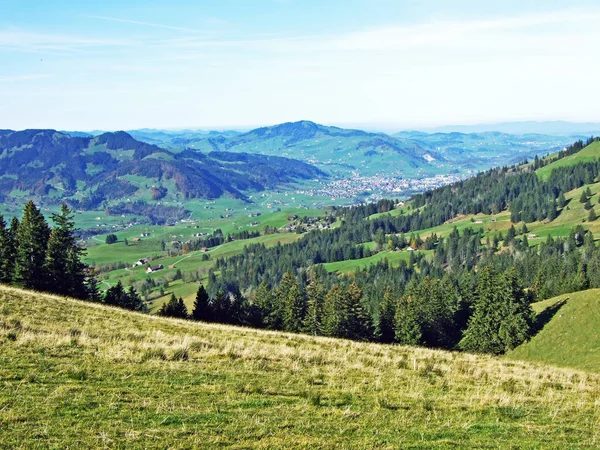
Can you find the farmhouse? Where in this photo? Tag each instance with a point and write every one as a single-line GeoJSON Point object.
{"type": "Point", "coordinates": [151, 269]}
{"type": "Point", "coordinates": [140, 262]}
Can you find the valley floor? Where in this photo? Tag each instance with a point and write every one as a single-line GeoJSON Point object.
{"type": "Point", "coordinates": [79, 375]}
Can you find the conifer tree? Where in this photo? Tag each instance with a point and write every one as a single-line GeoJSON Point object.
{"type": "Point", "coordinates": [562, 201]}
{"type": "Point", "coordinates": [92, 286]}
{"type": "Point", "coordinates": [174, 308]}
{"type": "Point", "coordinates": [221, 306]}
{"type": "Point", "coordinates": [265, 302]}
{"type": "Point", "coordinates": [133, 301]}
{"type": "Point", "coordinates": [592, 215]}
{"type": "Point", "coordinates": [332, 311]}
{"type": "Point", "coordinates": [202, 308]}
{"type": "Point", "coordinates": [315, 293]}
{"type": "Point", "coordinates": [583, 197]}
{"type": "Point", "coordinates": [64, 269]}
{"type": "Point", "coordinates": [5, 274]}
{"type": "Point", "coordinates": [385, 319]}
{"type": "Point", "coordinates": [502, 317]}
{"type": "Point", "coordinates": [356, 321]}
{"type": "Point", "coordinates": [407, 330]}
{"type": "Point", "coordinates": [290, 297]}
{"type": "Point", "coordinates": [116, 295]}
{"type": "Point", "coordinates": [510, 236]}
{"type": "Point", "coordinates": [10, 250]}
{"type": "Point", "coordinates": [295, 309]}
{"type": "Point", "coordinates": [32, 238]}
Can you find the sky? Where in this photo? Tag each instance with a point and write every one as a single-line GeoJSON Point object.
{"type": "Point", "coordinates": [216, 64]}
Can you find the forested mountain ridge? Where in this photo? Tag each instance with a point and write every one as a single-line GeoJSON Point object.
{"type": "Point", "coordinates": [90, 172]}
{"type": "Point", "coordinates": [470, 290]}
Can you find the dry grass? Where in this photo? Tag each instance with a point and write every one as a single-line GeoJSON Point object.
{"type": "Point", "coordinates": [79, 375]}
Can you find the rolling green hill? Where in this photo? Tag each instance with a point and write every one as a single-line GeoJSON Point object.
{"type": "Point", "coordinates": [80, 375]}
{"type": "Point", "coordinates": [571, 338]}
{"type": "Point", "coordinates": [117, 173]}
{"type": "Point", "coordinates": [588, 153]}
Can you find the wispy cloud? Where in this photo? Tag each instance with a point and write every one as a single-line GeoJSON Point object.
{"type": "Point", "coordinates": [147, 24]}
{"type": "Point", "coordinates": [450, 33]}
{"type": "Point", "coordinates": [502, 32]}
{"type": "Point", "coordinates": [18, 78]}
{"type": "Point", "coordinates": [41, 42]}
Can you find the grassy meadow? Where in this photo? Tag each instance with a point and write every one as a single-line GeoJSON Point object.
{"type": "Point", "coordinates": [80, 375]}
{"type": "Point", "coordinates": [571, 338]}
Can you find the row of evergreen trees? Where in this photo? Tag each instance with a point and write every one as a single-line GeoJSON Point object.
{"type": "Point", "coordinates": [492, 316]}
{"type": "Point", "coordinates": [35, 256]}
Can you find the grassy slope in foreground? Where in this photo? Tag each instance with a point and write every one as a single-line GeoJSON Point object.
{"type": "Point", "coordinates": [589, 153]}
{"type": "Point", "coordinates": [78, 375]}
{"type": "Point", "coordinates": [572, 337]}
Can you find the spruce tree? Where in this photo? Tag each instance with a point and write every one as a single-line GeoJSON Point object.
{"type": "Point", "coordinates": [92, 286]}
{"type": "Point", "coordinates": [116, 295]}
{"type": "Point", "coordinates": [502, 317]}
{"type": "Point", "coordinates": [291, 297]}
{"type": "Point", "coordinates": [510, 236]}
{"type": "Point", "coordinates": [592, 215]}
{"type": "Point", "coordinates": [332, 311]}
{"type": "Point", "coordinates": [315, 293]}
{"type": "Point", "coordinates": [133, 301]}
{"type": "Point", "coordinates": [5, 274]}
{"type": "Point", "coordinates": [174, 308]}
{"type": "Point", "coordinates": [407, 330]}
{"type": "Point", "coordinates": [11, 249]}
{"type": "Point", "coordinates": [356, 321]}
{"type": "Point", "coordinates": [221, 306]}
{"type": "Point", "coordinates": [562, 201]}
{"type": "Point", "coordinates": [64, 269]}
{"type": "Point", "coordinates": [202, 308]}
{"type": "Point", "coordinates": [385, 319]}
{"type": "Point", "coordinates": [265, 302]}
{"type": "Point", "coordinates": [32, 237]}
{"type": "Point", "coordinates": [293, 303]}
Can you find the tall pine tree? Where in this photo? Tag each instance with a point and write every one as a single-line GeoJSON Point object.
{"type": "Point", "coordinates": [32, 237]}
{"type": "Point", "coordinates": [202, 308]}
{"type": "Point", "coordinates": [291, 298]}
{"type": "Point", "coordinates": [385, 319]}
{"type": "Point", "coordinates": [64, 269]}
{"type": "Point", "coordinates": [315, 293]}
{"type": "Point", "coordinates": [5, 274]}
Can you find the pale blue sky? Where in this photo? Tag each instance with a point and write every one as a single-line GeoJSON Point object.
{"type": "Point", "coordinates": [217, 64]}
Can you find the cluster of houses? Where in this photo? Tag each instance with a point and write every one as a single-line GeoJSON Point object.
{"type": "Point", "coordinates": [146, 262]}
{"type": "Point", "coordinates": [311, 223]}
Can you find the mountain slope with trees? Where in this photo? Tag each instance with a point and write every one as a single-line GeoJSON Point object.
{"type": "Point", "coordinates": [95, 172]}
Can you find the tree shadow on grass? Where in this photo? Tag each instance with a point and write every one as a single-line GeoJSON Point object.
{"type": "Point", "coordinates": [546, 315]}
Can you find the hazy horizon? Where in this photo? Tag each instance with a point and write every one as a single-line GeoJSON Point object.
{"type": "Point", "coordinates": [231, 64]}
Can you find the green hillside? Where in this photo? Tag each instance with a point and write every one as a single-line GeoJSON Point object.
{"type": "Point", "coordinates": [79, 375]}
{"type": "Point", "coordinates": [572, 337]}
{"type": "Point", "coordinates": [589, 153]}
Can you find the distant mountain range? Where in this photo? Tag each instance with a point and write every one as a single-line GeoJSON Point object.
{"type": "Point", "coordinates": [342, 151]}
{"type": "Point", "coordinates": [100, 170]}
{"type": "Point", "coordinates": [91, 172]}
{"type": "Point", "coordinates": [553, 128]}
